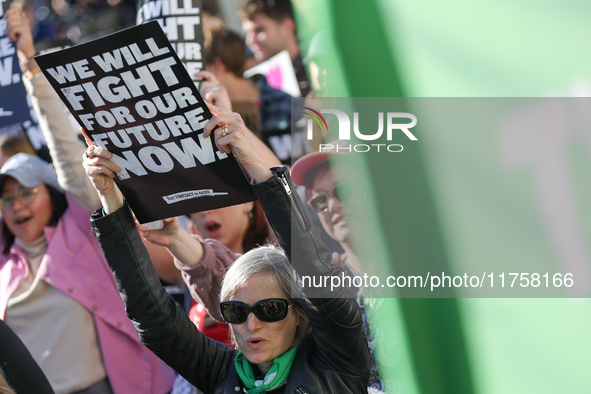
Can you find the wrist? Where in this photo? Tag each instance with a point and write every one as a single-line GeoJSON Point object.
{"type": "Point", "coordinates": [111, 202]}
{"type": "Point", "coordinates": [186, 250]}
{"type": "Point", "coordinates": [26, 53]}
{"type": "Point", "coordinates": [260, 174]}
{"type": "Point", "coordinates": [29, 65]}
{"type": "Point", "coordinates": [175, 242]}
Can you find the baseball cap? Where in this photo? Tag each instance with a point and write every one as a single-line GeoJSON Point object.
{"type": "Point", "coordinates": [29, 171]}
{"type": "Point", "coordinates": [303, 165]}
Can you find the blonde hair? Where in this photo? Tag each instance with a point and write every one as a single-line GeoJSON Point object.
{"type": "Point", "coordinates": [4, 387]}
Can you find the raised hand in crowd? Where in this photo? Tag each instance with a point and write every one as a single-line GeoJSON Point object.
{"type": "Point", "coordinates": [186, 249]}
{"type": "Point", "coordinates": [212, 91]}
{"type": "Point", "coordinates": [232, 136]}
{"type": "Point", "coordinates": [19, 31]}
{"type": "Point", "coordinates": [101, 171]}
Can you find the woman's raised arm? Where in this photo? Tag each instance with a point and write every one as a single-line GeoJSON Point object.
{"type": "Point", "coordinates": [232, 136]}
{"type": "Point", "coordinates": [60, 134]}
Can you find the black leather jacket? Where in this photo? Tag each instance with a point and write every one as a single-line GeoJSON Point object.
{"type": "Point", "coordinates": [333, 359]}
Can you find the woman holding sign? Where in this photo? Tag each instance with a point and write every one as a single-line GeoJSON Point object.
{"type": "Point", "coordinates": [289, 343]}
{"type": "Point", "coordinates": [57, 292]}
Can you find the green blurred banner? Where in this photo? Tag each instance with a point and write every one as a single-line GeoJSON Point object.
{"type": "Point", "coordinates": [503, 197]}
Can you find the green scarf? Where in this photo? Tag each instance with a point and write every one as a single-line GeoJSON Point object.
{"type": "Point", "coordinates": [275, 376]}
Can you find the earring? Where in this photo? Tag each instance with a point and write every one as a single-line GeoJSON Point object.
{"type": "Point", "coordinates": [250, 217]}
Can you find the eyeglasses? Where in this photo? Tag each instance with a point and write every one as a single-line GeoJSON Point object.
{"type": "Point", "coordinates": [26, 196]}
{"type": "Point", "coordinates": [342, 193]}
{"type": "Point", "coordinates": [269, 311]}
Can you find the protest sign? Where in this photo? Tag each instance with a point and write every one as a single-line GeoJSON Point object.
{"type": "Point", "coordinates": [16, 109]}
{"type": "Point", "coordinates": [181, 22]}
{"type": "Point", "coordinates": [279, 73]}
{"type": "Point", "coordinates": [13, 102]}
{"type": "Point", "coordinates": [132, 95]}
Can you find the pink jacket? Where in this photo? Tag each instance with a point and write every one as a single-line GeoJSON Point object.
{"type": "Point", "coordinates": [75, 265]}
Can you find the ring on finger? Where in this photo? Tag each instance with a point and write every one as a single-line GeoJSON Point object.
{"type": "Point", "coordinates": [225, 131]}
{"type": "Point", "coordinates": [87, 155]}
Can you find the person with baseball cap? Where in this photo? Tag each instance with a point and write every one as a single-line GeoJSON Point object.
{"type": "Point", "coordinates": [57, 293]}
{"type": "Point", "coordinates": [56, 289]}
{"type": "Point", "coordinates": [326, 192]}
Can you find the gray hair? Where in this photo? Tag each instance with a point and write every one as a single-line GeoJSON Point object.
{"type": "Point", "coordinates": [268, 259]}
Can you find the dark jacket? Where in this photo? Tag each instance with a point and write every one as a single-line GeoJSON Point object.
{"type": "Point", "coordinates": [333, 359]}
{"type": "Point", "coordinates": [22, 372]}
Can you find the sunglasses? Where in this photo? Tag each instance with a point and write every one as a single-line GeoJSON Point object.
{"type": "Point", "coordinates": [342, 193]}
{"type": "Point", "coordinates": [268, 311]}
{"type": "Point", "coordinates": [25, 196]}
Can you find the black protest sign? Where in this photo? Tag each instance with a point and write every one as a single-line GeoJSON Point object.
{"type": "Point", "coordinates": [133, 96]}
{"type": "Point", "coordinates": [13, 96]}
{"type": "Point", "coordinates": [181, 22]}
